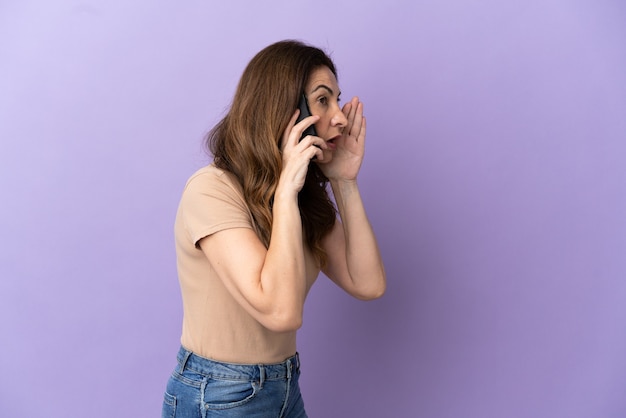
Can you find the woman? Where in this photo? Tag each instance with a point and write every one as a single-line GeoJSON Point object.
{"type": "Point", "coordinates": [254, 229]}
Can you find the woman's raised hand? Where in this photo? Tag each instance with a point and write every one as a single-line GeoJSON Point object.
{"type": "Point", "coordinates": [348, 155]}
{"type": "Point", "coordinates": [297, 154]}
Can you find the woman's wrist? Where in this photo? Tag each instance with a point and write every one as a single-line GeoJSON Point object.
{"type": "Point", "coordinates": [284, 193]}
{"type": "Point", "coordinates": [343, 185]}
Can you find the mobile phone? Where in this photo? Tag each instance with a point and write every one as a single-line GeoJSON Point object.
{"type": "Point", "coordinates": [305, 112]}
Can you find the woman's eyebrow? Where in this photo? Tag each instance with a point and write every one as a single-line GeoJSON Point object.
{"type": "Point", "coordinates": [324, 86]}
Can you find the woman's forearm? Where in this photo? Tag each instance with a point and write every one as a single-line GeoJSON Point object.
{"type": "Point", "coordinates": [363, 257]}
{"type": "Point", "coordinates": [283, 277]}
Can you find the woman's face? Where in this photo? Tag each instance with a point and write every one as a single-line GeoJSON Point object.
{"type": "Point", "coordinates": [322, 93]}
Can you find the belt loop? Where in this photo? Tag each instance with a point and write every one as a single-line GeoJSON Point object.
{"type": "Point", "coordinates": [297, 360]}
{"type": "Point", "coordinates": [261, 376]}
{"type": "Point", "coordinates": [183, 362]}
{"type": "Point", "coordinates": [289, 368]}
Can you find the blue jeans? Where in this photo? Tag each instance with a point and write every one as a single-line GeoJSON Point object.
{"type": "Point", "coordinates": [202, 388]}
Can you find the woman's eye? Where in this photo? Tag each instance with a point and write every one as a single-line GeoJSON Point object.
{"type": "Point", "coordinates": [323, 100]}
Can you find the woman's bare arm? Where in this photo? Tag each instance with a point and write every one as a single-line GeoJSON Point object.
{"type": "Point", "coordinates": [354, 260]}
{"type": "Point", "coordinates": [270, 283]}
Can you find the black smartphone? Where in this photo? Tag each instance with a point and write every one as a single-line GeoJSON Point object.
{"type": "Point", "coordinates": [305, 112]}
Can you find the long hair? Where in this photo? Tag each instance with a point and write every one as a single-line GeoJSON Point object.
{"type": "Point", "coordinates": [246, 142]}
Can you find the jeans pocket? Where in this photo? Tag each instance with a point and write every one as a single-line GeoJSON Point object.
{"type": "Point", "coordinates": [169, 406]}
{"type": "Point", "coordinates": [225, 393]}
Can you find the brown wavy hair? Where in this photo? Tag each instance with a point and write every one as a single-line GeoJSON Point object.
{"type": "Point", "coordinates": [246, 142]}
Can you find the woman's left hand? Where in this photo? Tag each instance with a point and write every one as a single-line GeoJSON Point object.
{"type": "Point", "coordinates": [348, 155]}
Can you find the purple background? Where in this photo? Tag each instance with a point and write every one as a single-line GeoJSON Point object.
{"type": "Point", "coordinates": [495, 180]}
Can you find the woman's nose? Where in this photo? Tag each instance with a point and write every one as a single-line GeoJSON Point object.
{"type": "Point", "coordinates": [339, 119]}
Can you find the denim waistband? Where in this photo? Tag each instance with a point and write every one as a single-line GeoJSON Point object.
{"type": "Point", "coordinates": [217, 369]}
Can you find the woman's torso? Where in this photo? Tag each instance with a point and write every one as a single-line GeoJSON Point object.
{"type": "Point", "coordinates": [215, 326]}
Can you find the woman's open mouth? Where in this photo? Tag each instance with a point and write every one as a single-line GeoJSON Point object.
{"type": "Point", "coordinates": [332, 142]}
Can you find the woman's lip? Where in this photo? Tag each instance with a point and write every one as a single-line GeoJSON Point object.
{"type": "Point", "coordinates": [331, 142]}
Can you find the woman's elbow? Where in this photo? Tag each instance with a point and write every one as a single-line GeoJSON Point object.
{"type": "Point", "coordinates": [283, 322]}
{"type": "Point", "coordinates": [373, 292]}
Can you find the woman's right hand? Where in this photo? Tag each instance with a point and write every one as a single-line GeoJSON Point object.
{"type": "Point", "coordinates": [297, 154]}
